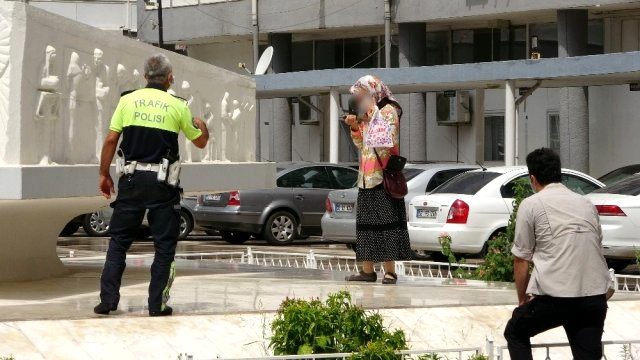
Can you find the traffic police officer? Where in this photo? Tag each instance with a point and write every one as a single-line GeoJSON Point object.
{"type": "Point", "coordinates": [149, 120]}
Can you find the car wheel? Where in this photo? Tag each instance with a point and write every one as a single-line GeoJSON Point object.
{"type": "Point", "coordinates": [618, 264]}
{"type": "Point", "coordinates": [186, 225]}
{"type": "Point", "coordinates": [235, 237]}
{"type": "Point", "coordinates": [95, 225]}
{"type": "Point", "coordinates": [280, 228]}
{"type": "Point", "coordinates": [70, 229]}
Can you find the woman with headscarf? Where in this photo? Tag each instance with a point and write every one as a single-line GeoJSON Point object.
{"type": "Point", "coordinates": [381, 221]}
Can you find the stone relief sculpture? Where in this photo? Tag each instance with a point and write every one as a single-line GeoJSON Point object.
{"type": "Point", "coordinates": [210, 151]}
{"type": "Point", "coordinates": [5, 47]}
{"type": "Point", "coordinates": [123, 82]}
{"type": "Point", "coordinates": [81, 105]}
{"type": "Point", "coordinates": [48, 106]}
{"type": "Point", "coordinates": [191, 153]}
{"type": "Point", "coordinates": [136, 79]}
{"type": "Point", "coordinates": [101, 72]}
{"type": "Point", "coordinates": [225, 116]}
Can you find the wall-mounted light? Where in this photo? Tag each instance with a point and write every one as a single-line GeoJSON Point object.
{"type": "Point", "coordinates": [535, 54]}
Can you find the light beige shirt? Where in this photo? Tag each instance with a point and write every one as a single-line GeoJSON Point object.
{"type": "Point", "coordinates": [559, 231]}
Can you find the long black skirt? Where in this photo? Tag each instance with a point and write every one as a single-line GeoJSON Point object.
{"type": "Point", "coordinates": [381, 227]}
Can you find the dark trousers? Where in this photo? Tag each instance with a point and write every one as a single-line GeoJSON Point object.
{"type": "Point", "coordinates": [137, 194]}
{"type": "Point", "coordinates": [582, 319]}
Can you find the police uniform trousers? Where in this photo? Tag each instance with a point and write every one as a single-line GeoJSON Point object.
{"type": "Point", "coordinates": [136, 194]}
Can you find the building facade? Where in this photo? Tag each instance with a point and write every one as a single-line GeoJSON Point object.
{"type": "Point", "coordinates": [594, 128]}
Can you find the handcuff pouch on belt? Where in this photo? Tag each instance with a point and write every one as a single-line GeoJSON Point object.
{"type": "Point", "coordinates": [169, 170]}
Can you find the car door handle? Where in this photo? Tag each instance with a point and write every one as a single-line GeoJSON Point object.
{"type": "Point", "coordinates": [299, 197]}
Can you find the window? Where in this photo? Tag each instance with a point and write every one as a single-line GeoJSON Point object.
{"type": "Point", "coordinates": [578, 185]}
{"type": "Point", "coordinates": [345, 178]}
{"type": "Point", "coordinates": [410, 173]}
{"type": "Point", "coordinates": [442, 177]}
{"type": "Point", "coordinates": [314, 177]}
{"type": "Point", "coordinates": [467, 183]}
{"type": "Point", "coordinates": [359, 52]}
{"type": "Point", "coordinates": [462, 46]}
{"type": "Point", "coordinates": [302, 56]}
{"type": "Point", "coordinates": [628, 186]}
{"type": "Point", "coordinates": [437, 48]}
{"type": "Point", "coordinates": [619, 174]}
{"type": "Point", "coordinates": [494, 138]}
{"type": "Point", "coordinates": [508, 190]}
{"type": "Point", "coordinates": [554, 132]}
{"type": "Point", "coordinates": [328, 54]}
{"type": "Point", "coordinates": [595, 37]}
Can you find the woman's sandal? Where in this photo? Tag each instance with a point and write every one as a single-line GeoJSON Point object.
{"type": "Point", "coordinates": [390, 278]}
{"type": "Point", "coordinates": [363, 276]}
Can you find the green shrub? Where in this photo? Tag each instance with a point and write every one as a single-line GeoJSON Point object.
{"type": "Point", "coordinates": [377, 350]}
{"type": "Point", "coordinates": [432, 356]}
{"type": "Point", "coordinates": [10, 357]}
{"type": "Point", "coordinates": [478, 357]}
{"type": "Point", "coordinates": [337, 325]}
{"type": "Point", "coordinates": [498, 262]}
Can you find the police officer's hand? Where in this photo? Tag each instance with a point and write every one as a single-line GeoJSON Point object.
{"type": "Point", "coordinates": [106, 186]}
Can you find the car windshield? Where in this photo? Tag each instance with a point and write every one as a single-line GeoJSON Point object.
{"type": "Point", "coordinates": [628, 186]}
{"type": "Point", "coordinates": [410, 173]}
{"type": "Point", "coordinates": [467, 184]}
{"type": "Point", "coordinates": [619, 174]}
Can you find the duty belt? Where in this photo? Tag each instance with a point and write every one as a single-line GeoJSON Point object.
{"type": "Point", "coordinates": [147, 167]}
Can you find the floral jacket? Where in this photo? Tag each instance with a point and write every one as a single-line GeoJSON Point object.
{"type": "Point", "coordinates": [370, 174]}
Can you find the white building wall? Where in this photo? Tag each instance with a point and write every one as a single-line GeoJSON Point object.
{"type": "Point", "coordinates": [614, 126]}
{"type": "Point", "coordinates": [226, 55]}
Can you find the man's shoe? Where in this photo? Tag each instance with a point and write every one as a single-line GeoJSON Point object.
{"type": "Point", "coordinates": [104, 309]}
{"type": "Point", "coordinates": [166, 312]}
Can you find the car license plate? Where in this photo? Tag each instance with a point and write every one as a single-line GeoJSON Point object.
{"type": "Point", "coordinates": [342, 208]}
{"type": "Point", "coordinates": [428, 213]}
{"type": "Point", "coordinates": [212, 197]}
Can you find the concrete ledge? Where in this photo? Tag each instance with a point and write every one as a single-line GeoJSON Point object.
{"type": "Point", "coordinates": [64, 181]}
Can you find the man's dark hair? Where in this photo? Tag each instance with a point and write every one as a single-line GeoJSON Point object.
{"type": "Point", "coordinates": [544, 164]}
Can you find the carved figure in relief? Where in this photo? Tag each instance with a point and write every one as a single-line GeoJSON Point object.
{"type": "Point", "coordinates": [48, 106]}
{"type": "Point", "coordinates": [81, 149]}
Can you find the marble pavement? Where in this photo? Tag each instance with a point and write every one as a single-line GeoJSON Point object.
{"type": "Point", "coordinates": [224, 311]}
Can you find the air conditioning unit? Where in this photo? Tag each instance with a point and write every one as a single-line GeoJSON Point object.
{"type": "Point", "coordinates": [453, 108]}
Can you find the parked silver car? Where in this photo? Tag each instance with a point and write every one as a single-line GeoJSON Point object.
{"type": "Point", "coordinates": [96, 224]}
{"type": "Point", "coordinates": [339, 220]}
{"type": "Point", "coordinates": [292, 210]}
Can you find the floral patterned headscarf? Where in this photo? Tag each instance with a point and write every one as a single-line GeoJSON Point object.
{"type": "Point", "coordinates": [374, 87]}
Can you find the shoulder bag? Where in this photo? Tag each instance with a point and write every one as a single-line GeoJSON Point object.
{"type": "Point", "coordinates": [393, 180]}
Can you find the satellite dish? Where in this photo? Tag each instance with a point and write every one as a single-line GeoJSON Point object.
{"type": "Point", "coordinates": [264, 62]}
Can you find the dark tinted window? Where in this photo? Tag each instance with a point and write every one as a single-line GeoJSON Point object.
{"type": "Point", "coordinates": [410, 173]}
{"type": "Point", "coordinates": [628, 186]}
{"type": "Point", "coordinates": [443, 176]}
{"type": "Point", "coordinates": [579, 185]}
{"type": "Point", "coordinates": [344, 178]}
{"type": "Point", "coordinates": [467, 183]}
{"type": "Point", "coordinates": [508, 190]}
{"type": "Point", "coordinates": [619, 174]}
{"type": "Point", "coordinates": [314, 177]}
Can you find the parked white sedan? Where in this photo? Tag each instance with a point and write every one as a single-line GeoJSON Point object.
{"type": "Point", "coordinates": [473, 207]}
{"type": "Point", "coordinates": [619, 209]}
{"type": "Point", "coordinates": [339, 220]}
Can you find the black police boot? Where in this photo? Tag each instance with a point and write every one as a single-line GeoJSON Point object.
{"type": "Point", "coordinates": [104, 309]}
{"type": "Point", "coordinates": [166, 312]}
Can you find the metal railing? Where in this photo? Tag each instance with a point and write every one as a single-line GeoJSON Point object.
{"type": "Point", "coordinates": [490, 351]}
{"type": "Point", "coordinates": [408, 269]}
{"type": "Point", "coordinates": [628, 283]}
{"type": "Point", "coordinates": [549, 346]}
